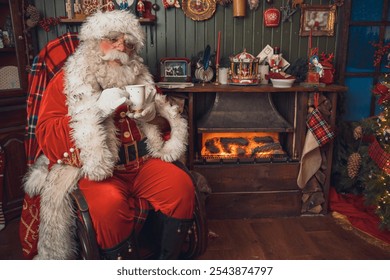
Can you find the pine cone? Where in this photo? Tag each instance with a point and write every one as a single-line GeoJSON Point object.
{"type": "Point", "coordinates": [358, 132]}
{"type": "Point", "coordinates": [353, 166]}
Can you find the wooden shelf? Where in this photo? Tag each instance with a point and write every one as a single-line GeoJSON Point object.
{"type": "Point", "coordinates": [7, 49]}
{"type": "Point", "coordinates": [142, 21]}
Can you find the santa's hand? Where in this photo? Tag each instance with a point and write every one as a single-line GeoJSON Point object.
{"type": "Point", "coordinates": [110, 99]}
{"type": "Point", "coordinates": [146, 115]}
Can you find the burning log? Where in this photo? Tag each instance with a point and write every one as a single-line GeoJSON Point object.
{"type": "Point", "coordinates": [226, 142]}
{"type": "Point", "coordinates": [266, 148]}
{"type": "Point", "coordinates": [211, 146]}
{"type": "Point", "coordinates": [264, 139]}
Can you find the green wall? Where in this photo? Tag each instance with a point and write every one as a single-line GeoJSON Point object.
{"type": "Point", "coordinates": [175, 35]}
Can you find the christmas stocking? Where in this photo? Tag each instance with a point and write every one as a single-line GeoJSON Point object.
{"type": "Point", "coordinates": [318, 134]}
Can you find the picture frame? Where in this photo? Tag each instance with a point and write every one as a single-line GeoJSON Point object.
{"type": "Point", "coordinates": [175, 69]}
{"type": "Point", "coordinates": [317, 20]}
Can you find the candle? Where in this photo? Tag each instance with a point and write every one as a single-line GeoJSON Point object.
{"type": "Point", "coordinates": [218, 48]}
{"type": "Point", "coordinates": [310, 41]}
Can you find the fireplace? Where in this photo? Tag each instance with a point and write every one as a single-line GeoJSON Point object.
{"type": "Point", "coordinates": [246, 152]}
{"type": "Point", "coordinates": [244, 127]}
{"type": "Point", "coordinates": [248, 142]}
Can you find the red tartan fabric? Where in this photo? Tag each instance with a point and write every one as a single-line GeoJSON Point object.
{"type": "Point", "coordinates": [321, 130]}
{"type": "Point", "coordinates": [29, 224]}
{"type": "Point", "coordinates": [381, 158]}
{"type": "Point", "coordinates": [45, 65]}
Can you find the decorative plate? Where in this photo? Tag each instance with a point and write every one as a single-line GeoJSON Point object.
{"type": "Point", "coordinates": [199, 9]}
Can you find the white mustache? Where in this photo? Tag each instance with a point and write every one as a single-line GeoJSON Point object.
{"type": "Point", "coordinates": [116, 55]}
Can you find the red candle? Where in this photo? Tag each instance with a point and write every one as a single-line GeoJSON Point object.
{"type": "Point", "coordinates": [218, 48]}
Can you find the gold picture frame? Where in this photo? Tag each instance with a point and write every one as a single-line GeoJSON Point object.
{"type": "Point", "coordinates": [317, 20]}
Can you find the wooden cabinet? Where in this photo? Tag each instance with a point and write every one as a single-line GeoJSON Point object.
{"type": "Point", "coordinates": [251, 188]}
{"type": "Point", "coordinates": [13, 88]}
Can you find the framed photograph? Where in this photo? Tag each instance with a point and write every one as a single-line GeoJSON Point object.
{"type": "Point", "coordinates": [318, 20]}
{"type": "Point", "coordinates": [175, 69]}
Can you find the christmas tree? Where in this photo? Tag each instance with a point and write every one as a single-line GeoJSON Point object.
{"type": "Point", "coordinates": [376, 175]}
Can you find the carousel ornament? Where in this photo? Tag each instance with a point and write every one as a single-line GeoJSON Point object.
{"type": "Point", "coordinates": [244, 69]}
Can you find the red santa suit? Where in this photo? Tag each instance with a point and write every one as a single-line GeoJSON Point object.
{"type": "Point", "coordinates": [112, 159]}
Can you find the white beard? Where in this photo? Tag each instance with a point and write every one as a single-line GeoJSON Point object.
{"type": "Point", "coordinates": [109, 76]}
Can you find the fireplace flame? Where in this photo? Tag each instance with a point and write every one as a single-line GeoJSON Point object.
{"type": "Point", "coordinates": [227, 145]}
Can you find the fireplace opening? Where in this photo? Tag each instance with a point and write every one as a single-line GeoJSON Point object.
{"type": "Point", "coordinates": [231, 145]}
{"type": "Point", "coordinates": [244, 128]}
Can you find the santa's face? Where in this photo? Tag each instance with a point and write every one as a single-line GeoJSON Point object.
{"type": "Point", "coordinates": [116, 49]}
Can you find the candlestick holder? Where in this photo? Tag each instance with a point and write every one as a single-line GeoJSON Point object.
{"type": "Point", "coordinates": [217, 83]}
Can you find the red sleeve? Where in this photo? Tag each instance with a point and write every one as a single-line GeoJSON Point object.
{"type": "Point", "coordinates": [53, 131]}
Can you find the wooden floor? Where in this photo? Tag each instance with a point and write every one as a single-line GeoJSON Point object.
{"type": "Point", "coordinates": [294, 238]}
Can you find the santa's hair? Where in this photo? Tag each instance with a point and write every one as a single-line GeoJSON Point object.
{"type": "Point", "coordinates": [101, 24]}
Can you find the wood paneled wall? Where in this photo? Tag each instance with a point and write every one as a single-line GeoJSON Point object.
{"type": "Point", "coordinates": [175, 35]}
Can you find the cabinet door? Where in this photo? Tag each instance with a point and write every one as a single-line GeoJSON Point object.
{"type": "Point", "coordinates": [13, 57]}
{"type": "Point", "coordinates": [14, 170]}
{"type": "Point", "coordinates": [13, 89]}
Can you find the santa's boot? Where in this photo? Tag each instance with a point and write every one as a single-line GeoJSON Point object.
{"type": "Point", "coordinates": [174, 232]}
{"type": "Point", "coordinates": [126, 250]}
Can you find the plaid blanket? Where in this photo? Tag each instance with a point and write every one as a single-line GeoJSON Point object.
{"type": "Point", "coordinates": [321, 130]}
{"type": "Point", "coordinates": [45, 65]}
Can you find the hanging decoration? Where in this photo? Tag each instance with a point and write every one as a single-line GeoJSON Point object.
{"type": "Point", "coordinates": [171, 3]}
{"type": "Point", "coordinates": [224, 3]}
{"type": "Point", "coordinates": [199, 9]}
{"type": "Point", "coordinates": [239, 8]}
{"type": "Point", "coordinates": [296, 3]}
{"type": "Point", "coordinates": [288, 10]}
{"type": "Point", "coordinates": [32, 16]}
{"type": "Point", "coordinates": [271, 17]}
{"type": "Point", "coordinates": [253, 4]}
{"type": "Point", "coordinates": [124, 4]}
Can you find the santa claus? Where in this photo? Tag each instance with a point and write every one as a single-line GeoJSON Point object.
{"type": "Point", "coordinates": [89, 137]}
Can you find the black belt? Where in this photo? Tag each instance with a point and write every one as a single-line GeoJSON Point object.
{"type": "Point", "coordinates": [132, 151]}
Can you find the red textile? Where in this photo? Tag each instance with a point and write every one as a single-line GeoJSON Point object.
{"type": "Point", "coordinates": [359, 215]}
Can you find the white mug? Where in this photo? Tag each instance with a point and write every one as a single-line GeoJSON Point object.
{"type": "Point", "coordinates": [136, 96]}
{"type": "Point", "coordinates": [263, 71]}
{"type": "Point", "coordinates": [223, 75]}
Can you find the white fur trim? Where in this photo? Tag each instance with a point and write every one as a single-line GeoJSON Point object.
{"type": "Point", "coordinates": [93, 135]}
{"type": "Point", "coordinates": [35, 178]}
{"type": "Point", "coordinates": [100, 24]}
{"type": "Point", "coordinates": [57, 219]}
{"type": "Point", "coordinates": [175, 147]}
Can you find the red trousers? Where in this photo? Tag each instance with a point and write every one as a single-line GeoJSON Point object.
{"type": "Point", "coordinates": [168, 189]}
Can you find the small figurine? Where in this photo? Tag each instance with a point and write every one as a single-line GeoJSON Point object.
{"type": "Point", "coordinates": [140, 8]}
{"type": "Point", "coordinates": [314, 60]}
{"type": "Point", "coordinates": [275, 61]}
{"type": "Point", "coordinates": [124, 5]}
